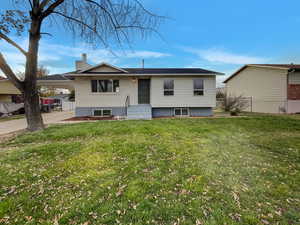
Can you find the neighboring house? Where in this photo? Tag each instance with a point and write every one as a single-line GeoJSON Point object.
{"type": "Point", "coordinates": [271, 88]}
{"type": "Point", "coordinates": [56, 81]}
{"type": "Point", "coordinates": [142, 93]}
{"type": "Point", "coordinates": [8, 92]}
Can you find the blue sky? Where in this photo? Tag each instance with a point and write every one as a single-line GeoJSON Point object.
{"type": "Point", "coordinates": [213, 34]}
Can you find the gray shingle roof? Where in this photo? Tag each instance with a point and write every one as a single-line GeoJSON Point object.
{"type": "Point", "coordinates": [169, 71]}
{"type": "Point", "coordinates": [153, 71]}
{"type": "Point", "coordinates": [54, 77]}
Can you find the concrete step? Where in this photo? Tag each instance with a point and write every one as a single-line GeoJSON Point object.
{"type": "Point", "coordinates": [139, 112]}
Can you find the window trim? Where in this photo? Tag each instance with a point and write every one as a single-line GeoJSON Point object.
{"type": "Point", "coordinates": [117, 88]}
{"type": "Point", "coordinates": [102, 110]}
{"type": "Point", "coordinates": [181, 108]}
{"type": "Point", "coordinates": [198, 89]}
{"type": "Point", "coordinates": [169, 90]}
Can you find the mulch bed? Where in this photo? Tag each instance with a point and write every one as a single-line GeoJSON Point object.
{"type": "Point", "coordinates": [87, 118]}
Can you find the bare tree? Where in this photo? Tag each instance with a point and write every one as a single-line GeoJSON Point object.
{"type": "Point", "coordinates": [42, 71]}
{"type": "Point", "coordinates": [97, 22]}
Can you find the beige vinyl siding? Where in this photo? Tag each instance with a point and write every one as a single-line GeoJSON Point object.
{"type": "Point", "coordinates": [6, 87]}
{"type": "Point", "coordinates": [5, 98]}
{"type": "Point", "coordinates": [86, 98]}
{"type": "Point", "coordinates": [183, 93]}
{"type": "Point", "coordinates": [267, 87]}
{"type": "Point", "coordinates": [294, 78]}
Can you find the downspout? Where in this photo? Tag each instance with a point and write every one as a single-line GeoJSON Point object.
{"type": "Point", "coordinates": [287, 88]}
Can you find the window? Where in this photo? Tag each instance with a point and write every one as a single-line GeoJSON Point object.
{"type": "Point", "coordinates": [97, 112]}
{"type": "Point", "coordinates": [102, 112]}
{"type": "Point", "coordinates": [168, 87]}
{"type": "Point", "coordinates": [181, 112]}
{"type": "Point", "coordinates": [106, 112]}
{"type": "Point", "coordinates": [105, 85]}
{"type": "Point", "coordinates": [198, 87]}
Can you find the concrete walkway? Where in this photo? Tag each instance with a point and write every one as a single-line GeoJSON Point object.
{"type": "Point", "coordinates": [21, 124]}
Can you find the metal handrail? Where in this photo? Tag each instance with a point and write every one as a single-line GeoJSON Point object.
{"type": "Point", "coordinates": [127, 103]}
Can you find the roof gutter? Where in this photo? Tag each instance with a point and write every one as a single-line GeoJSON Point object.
{"type": "Point", "coordinates": [133, 75]}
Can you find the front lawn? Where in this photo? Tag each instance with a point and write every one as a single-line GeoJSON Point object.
{"type": "Point", "coordinates": [168, 171]}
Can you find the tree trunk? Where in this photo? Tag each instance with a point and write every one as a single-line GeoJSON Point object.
{"type": "Point", "coordinates": [31, 97]}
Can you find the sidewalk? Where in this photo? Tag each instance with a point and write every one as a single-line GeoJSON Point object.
{"type": "Point", "coordinates": [21, 124]}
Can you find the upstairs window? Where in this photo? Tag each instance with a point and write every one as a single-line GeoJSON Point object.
{"type": "Point", "coordinates": [105, 85]}
{"type": "Point", "coordinates": [168, 87]}
{"type": "Point", "coordinates": [198, 87]}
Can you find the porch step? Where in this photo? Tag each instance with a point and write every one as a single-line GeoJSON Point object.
{"type": "Point", "coordinates": [143, 112]}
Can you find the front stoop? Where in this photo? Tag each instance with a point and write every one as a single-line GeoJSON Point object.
{"type": "Point", "coordinates": [139, 112]}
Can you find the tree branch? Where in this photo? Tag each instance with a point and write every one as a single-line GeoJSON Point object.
{"type": "Point", "coordinates": [10, 74]}
{"type": "Point", "coordinates": [112, 18]}
{"type": "Point", "coordinates": [44, 3]}
{"type": "Point", "coordinates": [50, 9]}
{"type": "Point", "coordinates": [104, 10]}
{"type": "Point", "coordinates": [30, 4]}
{"type": "Point", "coordinates": [147, 11]}
{"type": "Point", "coordinates": [83, 24]}
{"type": "Point", "coordinates": [46, 34]}
{"type": "Point", "coordinates": [35, 3]}
{"type": "Point", "coordinates": [7, 39]}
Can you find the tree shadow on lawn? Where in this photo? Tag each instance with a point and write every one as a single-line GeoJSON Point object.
{"type": "Point", "coordinates": [185, 171]}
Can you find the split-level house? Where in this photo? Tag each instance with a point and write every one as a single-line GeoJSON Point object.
{"type": "Point", "coordinates": [270, 88]}
{"type": "Point", "coordinates": [142, 93]}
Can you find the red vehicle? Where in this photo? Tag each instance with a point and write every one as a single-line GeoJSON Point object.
{"type": "Point", "coordinates": [47, 104]}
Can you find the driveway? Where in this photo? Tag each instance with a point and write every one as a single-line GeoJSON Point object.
{"type": "Point", "coordinates": [20, 124]}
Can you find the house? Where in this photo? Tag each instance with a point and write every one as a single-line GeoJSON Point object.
{"type": "Point", "coordinates": [8, 92]}
{"type": "Point", "coordinates": [142, 93]}
{"type": "Point", "coordinates": [271, 88]}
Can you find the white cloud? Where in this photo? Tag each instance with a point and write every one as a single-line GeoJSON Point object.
{"type": "Point", "coordinates": [145, 54]}
{"type": "Point", "coordinates": [59, 57]}
{"type": "Point", "coordinates": [214, 55]}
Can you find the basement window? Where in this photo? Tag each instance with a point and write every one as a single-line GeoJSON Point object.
{"type": "Point", "coordinates": [181, 112]}
{"type": "Point", "coordinates": [103, 112]}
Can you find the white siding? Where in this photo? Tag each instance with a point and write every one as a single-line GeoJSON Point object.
{"type": "Point", "coordinates": [183, 93]}
{"type": "Point", "coordinates": [267, 87]}
{"type": "Point", "coordinates": [86, 98]}
{"type": "Point", "coordinates": [294, 78]}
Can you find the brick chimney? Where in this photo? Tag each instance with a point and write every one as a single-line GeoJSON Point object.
{"type": "Point", "coordinates": [82, 64]}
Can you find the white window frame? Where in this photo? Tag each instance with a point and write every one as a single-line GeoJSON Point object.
{"type": "Point", "coordinates": [102, 112]}
{"type": "Point", "coordinates": [164, 90]}
{"type": "Point", "coordinates": [181, 108]}
{"type": "Point", "coordinates": [202, 89]}
{"type": "Point", "coordinates": [109, 92]}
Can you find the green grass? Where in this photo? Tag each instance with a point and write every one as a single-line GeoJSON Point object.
{"type": "Point", "coordinates": [171, 171]}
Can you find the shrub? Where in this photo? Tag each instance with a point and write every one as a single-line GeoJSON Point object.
{"type": "Point", "coordinates": [234, 104]}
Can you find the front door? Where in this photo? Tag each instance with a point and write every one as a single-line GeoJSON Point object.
{"type": "Point", "coordinates": [144, 91]}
